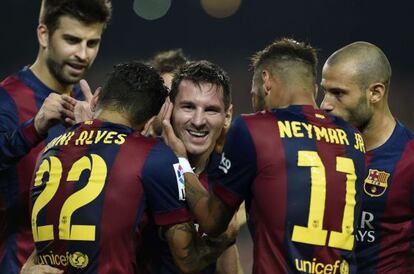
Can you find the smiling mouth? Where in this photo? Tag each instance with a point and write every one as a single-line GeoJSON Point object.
{"type": "Point", "coordinates": [198, 133]}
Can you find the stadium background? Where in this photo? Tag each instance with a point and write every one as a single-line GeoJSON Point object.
{"type": "Point", "coordinates": [227, 32]}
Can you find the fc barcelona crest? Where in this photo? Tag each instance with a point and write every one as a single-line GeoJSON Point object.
{"type": "Point", "coordinates": [376, 182]}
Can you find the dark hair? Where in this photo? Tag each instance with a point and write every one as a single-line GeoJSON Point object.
{"type": "Point", "coordinates": [202, 72]}
{"type": "Point", "coordinates": [168, 61]}
{"type": "Point", "coordinates": [86, 11]}
{"type": "Point", "coordinates": [285, 50]}
{"type": "Point", "coordinates": [135, 89]}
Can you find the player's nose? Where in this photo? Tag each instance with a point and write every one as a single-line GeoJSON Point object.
{"type": "Point", "coordinates": [326, 104]}
{"type": "Point", "coordinates": [198, 118]}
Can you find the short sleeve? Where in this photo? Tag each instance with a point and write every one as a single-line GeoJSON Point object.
{"type": "Point", "coordinates": [237, 169]}
{"type": "Point", "coordinates": [164, 187]}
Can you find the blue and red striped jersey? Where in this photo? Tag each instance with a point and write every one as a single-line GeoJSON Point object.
{"type": "Point", "coordinates": [386, 228]}
{"type": "Point", "coordinates": [162, 261]}
{"type": "Point", "coordinates": [90, 191]}
{"type": "Point", "coordinates": [300, 172]}
{"type": "Point", "coordinates": [21, 96]}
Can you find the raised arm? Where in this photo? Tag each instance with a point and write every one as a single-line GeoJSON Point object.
{"type": "Point", "coordinates": [16, 140]}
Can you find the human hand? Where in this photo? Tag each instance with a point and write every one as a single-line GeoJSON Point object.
{"type": "Point", "coordinates": [232, 229]}
{"type": "Point", "coordinates": [84, 110]}
{"type": "Point", "coordinates": [168, 132]}
{"type": "Point", "coordinates": [40, 269]}
{"type": "Point", "coordinates": [153, 128]}
{"type": "Point", "coordinates": [30, 267]}
{"type": "Point", "coordinates": [56, 108]}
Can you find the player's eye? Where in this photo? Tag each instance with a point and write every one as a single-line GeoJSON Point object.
{"type": "Point", "coordinates": [93, 43]}
{"type": "Point", "coordinates": [72, 40]}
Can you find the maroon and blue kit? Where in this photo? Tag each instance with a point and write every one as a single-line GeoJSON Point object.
{"type": "Point", "coordinates": [300, 171]}
{"type": "Point", "coordinates": [386, 228]}
{"type": "Point", "coordinates": [162, 261]}
{"type": "Point", "coordinates": [91, 190]}
{"type": "Point", "coordinates": [21, 96]}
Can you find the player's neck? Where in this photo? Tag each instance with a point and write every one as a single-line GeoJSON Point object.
{"type": "Point", "coordinates": [40, 69]}
{"type": "Point", "coordinates": [379, 129]}
{"type": "Point", "coordinates": [115, 117]}
{"type": "Point", "coordinates": [297, 98]}
{"type": "Point", "coordinates": [199, 162]}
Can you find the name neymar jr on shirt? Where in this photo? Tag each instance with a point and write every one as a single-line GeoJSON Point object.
{"type": "Point", "coordinates": [296, 129]}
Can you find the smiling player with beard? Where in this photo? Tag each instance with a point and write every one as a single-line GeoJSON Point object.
{"type": "Point", "coordinates": [69, 35]}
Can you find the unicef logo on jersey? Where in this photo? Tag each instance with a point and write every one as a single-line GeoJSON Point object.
{"type": "Point", "coordinates": [78, 260]}
{"type": "Point", "coordinates": [225, 164]}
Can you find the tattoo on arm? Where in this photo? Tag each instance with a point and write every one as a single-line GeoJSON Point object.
{"type": "Point", "coordinates": [191, 251]}
{"type": "Point", "coordinates": [209, 210]}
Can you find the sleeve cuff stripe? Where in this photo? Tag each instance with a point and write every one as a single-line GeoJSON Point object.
{"type": "Point", "coordinates": [227, 196]}
{"type": "Point", "coordinates": [178, 216]}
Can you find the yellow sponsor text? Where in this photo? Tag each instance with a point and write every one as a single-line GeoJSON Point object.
{"type": "Point", "coordinates": [316, 267]}
{"type": "Point", "coordinates": [76, 259]}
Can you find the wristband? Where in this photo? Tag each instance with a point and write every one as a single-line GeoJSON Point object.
{"type": "Point", "coordinates": [185, 165]}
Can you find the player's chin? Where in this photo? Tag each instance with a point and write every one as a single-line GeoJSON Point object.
{"type": "Point", "coordinates": [73, 79]}
{"type": "Point", "coordinates": [197, 149]}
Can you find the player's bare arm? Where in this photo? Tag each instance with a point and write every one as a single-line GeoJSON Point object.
{"type": "Point", "coordinates": [193, 253]}
{"type": "Point", "coordinates": [211, 213]}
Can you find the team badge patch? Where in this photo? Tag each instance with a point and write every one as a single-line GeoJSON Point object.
{"type": "Point", "coordinates": [179, 175]}
{"type": "Point", "coordinates": [376, 182]}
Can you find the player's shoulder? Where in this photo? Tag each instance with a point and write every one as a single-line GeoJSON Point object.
{"type": "Point", "coordinates": [405, 132]}
{"type": "Point", "coordinates": [402, 139]}
{"type": "Point", "coordinates": [341, 123]}
{"type": "Point", "coordinates": [254, 121]}
{"type": "Point", "coordinates": [9, 85]}
{"type": "Point", "coordinates": [160, 154]}
{"type": "Point", "coordinates": [406, 139]}
{"type": "Point", "coordinates": [15, 86]}
{"type": "Point", "coordinates": [7, 101]}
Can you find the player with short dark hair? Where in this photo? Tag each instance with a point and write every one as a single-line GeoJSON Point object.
{"type": "Point", "coordinates": [94, 183]}
{"type": "Point", "coordinates": [202, 97]}
{"type": "Point", "coordinates": [69, 35]}
{"type": "Point", "coordinates": [298, 168]}
{"type": "Point", "coordinates": [356, 81]}
{"type": "Point", "coordinates": [87, 12]}
{"type": "Point", "coordinates": [166, 62]}
{"type": "Point", "coordinates": [202, 72]}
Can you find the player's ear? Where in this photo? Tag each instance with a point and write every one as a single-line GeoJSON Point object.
{"type": "Point", "coordinates": [316, 91]}
{"type": "Point", "coordinates": [266, 78]}
{"type": "Point", "coordinates": [43, 35]}
{"type": "Point", "coordinates": [229, 116]}
{"type": "Point", "coordinates": [376, 92]}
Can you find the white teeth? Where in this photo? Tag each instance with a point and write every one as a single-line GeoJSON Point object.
{"type": "Point", "coordinates": [198, 133]}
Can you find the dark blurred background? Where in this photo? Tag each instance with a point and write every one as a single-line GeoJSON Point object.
{"type": "Point", "coordinates": [227, 32]}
